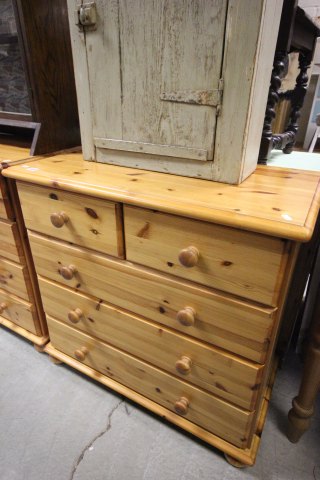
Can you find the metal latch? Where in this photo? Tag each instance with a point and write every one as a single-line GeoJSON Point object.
{"type": "Point", "coordinates": [86, 16]}
{"type": "Point", "coordinates": [211, 98]}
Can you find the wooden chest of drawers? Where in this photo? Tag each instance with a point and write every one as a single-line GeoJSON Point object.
{"type": "Point", "coordinates": [168, 298]}
{"type": "Point", "coordinates": [20, 304]}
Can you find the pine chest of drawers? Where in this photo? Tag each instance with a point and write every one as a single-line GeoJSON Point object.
{"type": "Point", "coordinates": [20, 304]}
{"type": "Point", "coordinates": [166, 289]}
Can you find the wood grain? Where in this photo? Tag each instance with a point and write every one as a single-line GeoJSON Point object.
{"type": "Point", "coordinates": [216, 415]}
{"type": "Point", "coordinates": [39, 341]}
{"type": "Point", "coordinates": [220, 319]}
{"type": "Point", "coordinates": [150, 49]}
{"type": "Point", "coordinates": [212, 369]}
{"type": "Point", "coordinates": [12, 153]}
{"type": "Point", "coordinates": [250, 40]}
{"type": "Point", "coordinates": [10, 242]}
{"type": "Point", "coordinates": [274, 201]}
{"type": "Point", "coordinates": [91, 223]}
{"type": "Point", "coordinates": [6, 210]}
{"type": "Point", "coordinates": [237, 262]}
{"type": "Point", "coordinates": [19, 312]}
{"type": "Point", "coordinates": [45, 39]}
{"type": "Point", "coordinates": [14, 278]}
{"type": "Point", "coordinates": [31, 277]}
{"type": "Point", "coordinates": [79, 58]}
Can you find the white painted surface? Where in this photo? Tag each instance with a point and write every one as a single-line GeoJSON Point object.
{"type": "Point", "coordinates": [143, 48]}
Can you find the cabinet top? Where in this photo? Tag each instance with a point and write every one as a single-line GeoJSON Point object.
{"type": "Point", "coordinates": [11, 154]}
{"type": "Point", "coordinates": [273, 201]}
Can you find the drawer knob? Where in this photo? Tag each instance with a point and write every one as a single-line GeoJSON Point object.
{"type": "Point", "coordinates": [75, 315]}
{"type": "Point", "coordinates": [68, 272]}
{"type": "Point", "coordinates": [186, 316]}
{"type": "Point", "coordinates": [182, 406]}
{"type": "Point", "coordinates": [59, 219]}
{"type": "Point", "coordinates": [189, 257]}
{"type": "Point", "coordinates": [81, 353]}
{"type": "Point", "coordinates": [3, 307]}
{"type": "Point", "coordinates": [183, 365]}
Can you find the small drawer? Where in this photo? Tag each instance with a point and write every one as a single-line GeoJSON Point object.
{"type": "Point", "coordinates": [239, 262]}
{"type": "Point", "coordinates": [14, 278]}
{"type": "Point", "coordinates": [79, 219]}
{"type": "Point", "coordinates": [5, 206]}
{"type": "Point", "coordinates": [231, 324]}
{"type": "Point", "coordinates": [10, 244]}
{"type": "Point", "coordinates": [215, 415]}
{"type": "Point", "coordinates": [221, 373]}
{"type": "Point", "coordinates": [19, 312]}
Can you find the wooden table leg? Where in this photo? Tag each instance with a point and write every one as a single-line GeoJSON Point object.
{"type": "Point", "coordinates": [303, 405]}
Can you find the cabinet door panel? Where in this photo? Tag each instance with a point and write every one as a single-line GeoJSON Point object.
{"type": "Point", "coordinates": [143, 50]}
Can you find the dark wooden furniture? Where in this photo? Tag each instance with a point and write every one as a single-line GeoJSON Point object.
{"type": "Point", "coordinates": [303, 405]}
{"type": "Point", "coordinates": [297, 33]}
{"type": "Point", "coordinates": [37, 87]}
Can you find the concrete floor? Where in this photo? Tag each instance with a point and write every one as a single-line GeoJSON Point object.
{"type": "Point", "coordinates": [56, 424]}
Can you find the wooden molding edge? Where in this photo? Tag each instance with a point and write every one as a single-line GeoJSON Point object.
{"type": "Point", "coordinates": [40, 341]}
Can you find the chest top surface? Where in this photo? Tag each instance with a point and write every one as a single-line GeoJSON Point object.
{"type": "Point", "coordinates": [273, 201]}
{"type": "Point", "coordinates": [11, 153]}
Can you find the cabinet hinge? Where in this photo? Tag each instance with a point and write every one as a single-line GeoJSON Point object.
{"type": "Point", "coordinates": [86, 16]}
{"type": "Point", "coordinates": [210, 98]}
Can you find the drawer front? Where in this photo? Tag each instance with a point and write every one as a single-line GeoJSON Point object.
{"type": "Point", "coordinates": [5, 207]}
{"type": "Point", "coordinates": [216, 415]}
{"type": "Point", "coordinates": [19, 312]}
{"type": "Point", "coordinates": [243, 263]}
{"type": "Point", "coordinates": [83, 220]}
{"type": "Point", "coordinates": [231, 324]}
{"type": "Point", "coordinates": [13, 278]}
{"type": "Point", "coordinates": [10, 244]}
{"type": "Point", "coordinates": [226, 375]}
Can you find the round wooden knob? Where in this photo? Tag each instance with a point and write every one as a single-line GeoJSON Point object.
{"type": "Point", "coordinates": [189, 257]}
{"type": "Point", "coordinates": [68, 272]}
{"type": "Point", "coordinates": [75, 315]}
{"type": "Point", "coordinates": [186, 316]}
{"type": "Point", "coordinates": [81, 353]}
{"type": "Point", "coordinates": [181, 406]}
{"type": "Point", "coordinates": [59, 219]}
{"type": "Point", "coordinates": [3, 307]}
{"type": "Point", "coordinates": [183, 365]}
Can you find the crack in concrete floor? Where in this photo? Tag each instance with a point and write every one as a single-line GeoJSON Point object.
{"type": "Point", "coordinates": [99, 435]}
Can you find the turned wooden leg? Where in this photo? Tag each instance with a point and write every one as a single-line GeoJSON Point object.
{"type": "Point", "coordinates": [54, 360]}
{"type": "Point", "coordinates": [303, 405]}
{"type": "Point", "coordinates": [234, 462]}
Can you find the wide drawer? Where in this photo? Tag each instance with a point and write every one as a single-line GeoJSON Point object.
{"type": "Point", "coordinates": [83, 220]}
{"type": "Point", "coordinates": [13, 278]}
{"type": "Point", "coordinates": [239, 262]}
{"type": "Point", "coordinates": [19, 312]}
{"type": "Point", "coordinates": [10, 244]}
{"type": "Point", "coordinates": [5, 207]}
{"type": "Point", "coordinates": [226, 375]}
{"type": "Point", "coordinates": [214, 414]}
{"type": "Point", "coordinates": [231, 324]}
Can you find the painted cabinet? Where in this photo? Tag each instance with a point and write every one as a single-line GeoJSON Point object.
{"type": "Point", "coordinates": [174, 86]}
